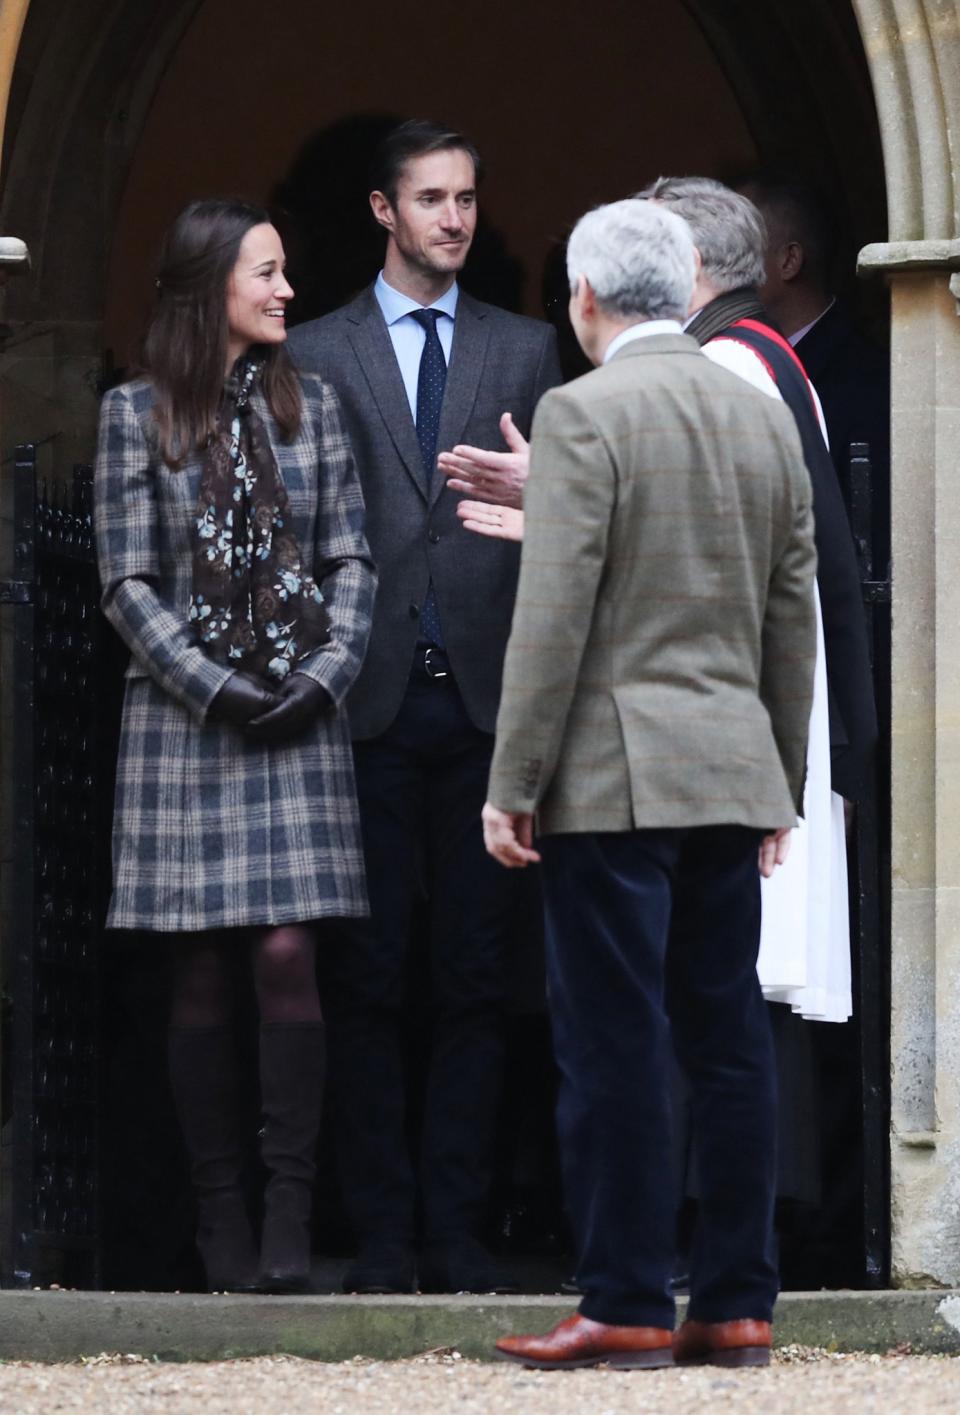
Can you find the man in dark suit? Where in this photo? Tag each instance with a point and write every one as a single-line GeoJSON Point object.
{"type": "Point", "coordinates": [656, 699]}
{"type": "Point", "coordinates": [850, 373]}
{"type": "Point", "coordinates": [419, 366]}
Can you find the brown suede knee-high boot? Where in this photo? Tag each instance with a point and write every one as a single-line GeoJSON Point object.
{"type": "Point", "coordinates": [292, 1068]}
{"type": "Point", "coordinates": [203, 1076]}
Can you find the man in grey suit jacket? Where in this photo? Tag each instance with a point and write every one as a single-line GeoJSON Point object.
{"type": "Point", "coordinates": [656, 702]}
{"type": "Point", "coordinates": [420, 366]}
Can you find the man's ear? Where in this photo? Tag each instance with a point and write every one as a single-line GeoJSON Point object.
{"type": "Point", "coordinates": [588, 298]}
{"type": "Point", "coordinates": [382, 209]}
{"type": "Point", "coordinates": [791, 260]}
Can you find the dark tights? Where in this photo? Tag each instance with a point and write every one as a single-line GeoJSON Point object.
{"type": "Point", "coordinates": [283, 973]}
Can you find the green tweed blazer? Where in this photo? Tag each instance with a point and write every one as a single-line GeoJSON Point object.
{"type": "Point", "coordinates": [660, 665]}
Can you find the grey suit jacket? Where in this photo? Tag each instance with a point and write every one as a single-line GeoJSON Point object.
{"type": "Point", "coordinates": [499, 363]}
{"type": "Point", "coordinates": [660, 668]}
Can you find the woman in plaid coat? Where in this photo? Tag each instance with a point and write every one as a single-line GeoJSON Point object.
{"type": "Point", "coordinates": [229, 524]}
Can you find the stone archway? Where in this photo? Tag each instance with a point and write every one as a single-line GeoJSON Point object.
{"type": "Point", "coordinates": [12, 19]}
{"type": "Point", "coordinates": [82, 88]}
{"type": "Point", "coordinates": [80, 79]}
{"type": "Point", "coordinates": [79, 84]}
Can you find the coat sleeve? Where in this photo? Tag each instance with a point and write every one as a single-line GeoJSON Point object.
{"type": "Point", "coordinates": [128, 555]}
{"type": "Point", "coordinates": [342, 564]}
{"type": "Point", "coordinates": [789, 641]}
{"type": "Point", "coordinates": [569, 499]}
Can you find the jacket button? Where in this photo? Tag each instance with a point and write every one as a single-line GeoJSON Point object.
{"type": "Point", "coordinates": [433, 537]}
{"type": "Point", "coordinates": [414, 611]}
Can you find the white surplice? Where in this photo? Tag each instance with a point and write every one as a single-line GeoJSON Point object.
{"type": "Point", "coordinates": [805, 922]}
{"type": "Point", "coordinates": [805, 929]}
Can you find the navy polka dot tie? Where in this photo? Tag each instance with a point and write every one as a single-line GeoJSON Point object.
{"type": "Point", "coordinates": [430, 385]}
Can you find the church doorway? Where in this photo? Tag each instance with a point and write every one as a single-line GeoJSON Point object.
{"type": "Point", "coordinates": [122, 112]}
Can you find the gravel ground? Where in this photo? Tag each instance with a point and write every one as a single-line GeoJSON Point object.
{"type": "Point", "coordinates": [799, 1381]}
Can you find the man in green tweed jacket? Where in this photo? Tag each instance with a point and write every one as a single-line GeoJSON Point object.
{"type": "Point", "coordinates": [656, 701]}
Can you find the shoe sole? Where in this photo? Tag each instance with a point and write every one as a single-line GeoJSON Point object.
{"type": "Point", "coordinates": [274, 1285]}
{"type": "Point", "coordinates": [628, 1361]}
{"type": "Point", "coordinates": [736, 1357]}
{"type": "Point", "coordinates": [742, 1356]}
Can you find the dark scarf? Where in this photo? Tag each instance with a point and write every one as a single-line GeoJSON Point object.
{"type": "Point", "coordinates": [725, 310]}
{"type": "Point", "coordinates": [252, 605]}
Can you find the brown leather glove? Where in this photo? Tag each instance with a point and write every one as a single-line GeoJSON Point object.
{"type": "Point", "coordinates": [300, 702]}
{"type": "Point", "coordinates": [241, 698]}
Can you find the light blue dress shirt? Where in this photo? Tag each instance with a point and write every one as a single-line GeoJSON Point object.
{"type": "Point", "coordinates": [408, 337]}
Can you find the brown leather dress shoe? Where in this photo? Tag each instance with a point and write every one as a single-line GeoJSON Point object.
{"type": "Point", "coordinates": [742, 1343]}
{"type": "Point", "coordinates": [577, 1341]}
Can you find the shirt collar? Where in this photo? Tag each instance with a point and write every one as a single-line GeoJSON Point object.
{"type": "Point", "coordinates": [794, 339]}
{"type": "Point", "coordinates": [395, 305]}
{"type": "Point", "coordinates": [641, 331]}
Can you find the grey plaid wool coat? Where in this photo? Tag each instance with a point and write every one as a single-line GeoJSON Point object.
{"type": "Point", "coordinates": [212, 830]}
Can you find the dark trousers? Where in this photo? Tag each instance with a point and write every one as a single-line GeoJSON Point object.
{"type": "Point", "coordinates": [652, 933]}
{"type": "Point", "coordinates": [421, 787]}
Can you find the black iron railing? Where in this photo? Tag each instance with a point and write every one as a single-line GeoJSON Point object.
{"type": "Point", "coordinates": [58, 885]}
{"type": "Point", "coordinates": [871, 894]}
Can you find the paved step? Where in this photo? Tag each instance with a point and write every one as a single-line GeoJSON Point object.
{"type": "Point", "coordinates": [62, 1326]}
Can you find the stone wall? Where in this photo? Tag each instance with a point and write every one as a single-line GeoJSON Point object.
{"type": "Point", "coordinates": [914, 54]}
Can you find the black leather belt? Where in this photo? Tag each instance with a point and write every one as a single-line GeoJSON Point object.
{"type": "Point", "coordinates": [433, 662]}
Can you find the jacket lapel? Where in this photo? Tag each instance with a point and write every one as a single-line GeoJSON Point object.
{"type": "Point", "coordinates": [471, 334]}
{"type": "Point", "coordinates": [371, 344]}
{"type": "Point", "coordinates": [814, 349]}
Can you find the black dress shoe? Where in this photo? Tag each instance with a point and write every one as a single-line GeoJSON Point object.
{"type": "Point", "coordinates": [380, 1267]}
{"type": "Point", "coordinates": [463, 1265]}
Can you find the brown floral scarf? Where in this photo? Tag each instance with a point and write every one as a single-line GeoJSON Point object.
{"type": "Point", "coordinates": [252, 605]}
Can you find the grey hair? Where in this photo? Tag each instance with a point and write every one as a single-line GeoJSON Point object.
{"type": "Point", "coordinates": [637, 257]}
{"type": "Point", "coordinates": [728, 230]}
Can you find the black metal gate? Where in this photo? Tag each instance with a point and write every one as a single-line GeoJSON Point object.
{"type": "Point", "coordinates": [871, 884]}
{"type": "Point", "coordinates": [64, 741]}
{"type": "Point", "coordinates": [52, 958]}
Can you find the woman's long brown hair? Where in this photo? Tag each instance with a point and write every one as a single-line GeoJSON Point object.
{"type": "Point", "coordinates": [185, 349]}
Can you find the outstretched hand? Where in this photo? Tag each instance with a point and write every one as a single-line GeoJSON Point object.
{"type": "Point", "coordinates": [490, 476]}
{"type": "Point", "coordinates": [774, 849]}
{"type": "Point", "coordinates": [502, 522]}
